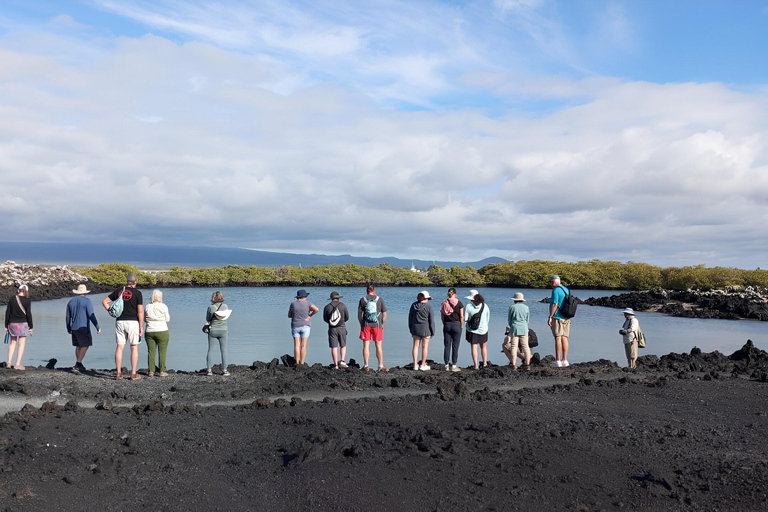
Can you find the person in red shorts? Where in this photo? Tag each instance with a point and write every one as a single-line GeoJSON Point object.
{"type": "Point", "coordinates": [372, 314]}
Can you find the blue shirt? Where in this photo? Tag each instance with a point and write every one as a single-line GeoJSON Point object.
{"type": "Point", "coordinates": [558, 296]}
{"type": "Point", "coordinates": [79, 312]}
{"type": "Point", "coordinates": [518, 318]}
{"type": "Point", "coordinates": [485, 318]}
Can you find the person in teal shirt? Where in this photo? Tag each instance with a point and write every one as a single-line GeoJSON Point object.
{"type": "Point", "coordinates": [561, 327]}
{"type": "Point", "coordinates": [479, 335]}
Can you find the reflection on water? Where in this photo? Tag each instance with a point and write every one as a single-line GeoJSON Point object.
{"type": "Point", "coordinates": [259, 328]}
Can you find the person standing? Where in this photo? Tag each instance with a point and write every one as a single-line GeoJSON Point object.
{"type": "Point", "coordinates": [477, 327]}
{"type": "Point", "coordinates": [517, 320]}
{"type": "Point", "coordinates": [336, 315]}
{"type": "Point", "coordinates": [561, 326]}
{"type": "Point", "coordinates": [129, 326]}
{"type": "Point", "coordinates": [300, 312]}
{"type": "Point", "coordinates": [79, 317]}
{"type": "Point", "coordinates": [452, 316]}
{"type": "Point", "coordinates": [630, 333]}
{"type": "Point", "coordinates": [372, 315]}
{"type": "Point", "coordinates": [216, 316]}
{"type": "Point", "coordinates": [157, 317]}
{"type": "Point", "coordinates": [421, 323]}
{"type": "Point", "coordinates": [18, 323]}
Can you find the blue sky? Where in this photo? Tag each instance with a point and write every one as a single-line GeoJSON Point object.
{"type": "Point", "coordinates": [627, 130]}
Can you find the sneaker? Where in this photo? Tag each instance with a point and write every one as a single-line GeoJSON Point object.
{"type": "Point", "coordinates": [342, 364]}
{"type": "Point", "coordinates": [447, 367]}
{"type": "Point", "coordinates": [225, 374]}
{"type": "Point", "coordinates": [80, 367]}
{"type": "Point", "coordinates": [425, 367]}
{"type": "Point", "coordinates": [416, 367]}
{"type": "Point", "coordinates": [335, 368]}
{"type": "Point", "coordinates": [565, 363]}
{"type": "Point", "coordinates": [455, 368]}
{"type": "Point", "coordinates": [209, 372]}
{"type": "Point", "coordinates": [557, 364]}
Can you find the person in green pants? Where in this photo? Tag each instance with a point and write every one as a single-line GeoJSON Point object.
{"type": "Point", "coordinates": [157, 317]}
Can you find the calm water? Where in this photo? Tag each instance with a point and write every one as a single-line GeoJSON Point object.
{"type": "Point", "coordinates": [259, 328]}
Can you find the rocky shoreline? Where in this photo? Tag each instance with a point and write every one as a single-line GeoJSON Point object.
{"type": "Point", "coordinates": [682, 432]}
{"type": "Point", "coordinates": [730, 303]}
{"type": "Point", "coordinates": [45, 282]}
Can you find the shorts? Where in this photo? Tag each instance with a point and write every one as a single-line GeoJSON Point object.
{"type": "Point", "coordinates": [337, 338]}
{"type": "Point", "coordinates": [82, 338]}
{"type": "Point", "coordinates": [372, 333]}
{"type": "Point", "coordinates": [561, 327]}
{"type": "Point", "coordinates": [477, 339]}
{"type": "Point", "coordinates": [420, 338]}
{"type": "Point", "coordinates": [20, 329]}
{"type": "Point", "coordinates": [127, 331]}
{"type": "Point", "coordinates": [300, 332]}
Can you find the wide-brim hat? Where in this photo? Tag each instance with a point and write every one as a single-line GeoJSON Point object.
{"type": "Point", "coordinates": [302, 293]}
{"type": "Point", "coordinates": [472, 294]}
{"type": "Point", "coordinates": [628, 311]}
{"type": "Point", "coordinates": [425, 294]}
{"type": "Point", "coordinates": [518, 297]}
{"type": "Point", "coordinates": [81, 290]}
{"type": "Point", "coordinates": [335, 295]}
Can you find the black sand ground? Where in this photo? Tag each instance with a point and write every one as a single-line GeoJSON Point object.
{"type": "Point", "coordinates": [684, 432]}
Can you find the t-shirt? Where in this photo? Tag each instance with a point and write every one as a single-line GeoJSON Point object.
{"type": "Point", "coordinates": [558, 296]}
{"type": "Point", "coordinates": [79, 313]}
{"type": "Point", "coordinates": [131, 300]}
{"type": "Point", "coordinates": [300, 309]}
{"type": "Point", "coordinates": [380, 308]}
{"type": "Point", "coordinates": [343, 311]}
{"type": "Point", "coordinates": [518, 318]}
{"type": "Point", "coordinates": [456, 315]}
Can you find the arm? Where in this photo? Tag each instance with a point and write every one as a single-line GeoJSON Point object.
{"type": "Point", "coordinates": [312, 311]}
{"type": "Point", "coordinates": [383, 319]}
{"type": "Point", "coordinates": [461, 317]}
{"type": "Point", "coordinates": [326, 314]}
{"type": "Point", "coordinates": [346, 314]}
{"type": "Point", "coordinates": [290, 311]}
{"type": "Point", "coordinates": [106, 302]}
{"type": "Point", "coordinates": [552, 311]}
{"type": "Point", "coordinates": [359, 314]}
{"type": "Point", "coordinates": [67, 319]}
{"type": "Point", "coordinates": [140, 312]}
{"type": "Point", "coordinates": [167, 314]}
{"type": "Point", "coordinates": [432, 321]}
{"type": "Point", "coordinates": [91, 316]}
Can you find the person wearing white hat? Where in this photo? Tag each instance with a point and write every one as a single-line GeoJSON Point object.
{"type": "Point", "coordinates": [518, 317]}
{"type": "Point", "coordinates": [18, 324]}
{"type": "Point", "coordinates": [477, 318]}
{"type": "Point", "coordinates": [421, 323]}
{"type": "Point", "coordinates": [629, 333]}
{"type": "Point", "coordinates": [80, 316]}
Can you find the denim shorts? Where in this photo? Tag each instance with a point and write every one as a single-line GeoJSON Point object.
{"type": "Point", "coordinates": [300, 332]}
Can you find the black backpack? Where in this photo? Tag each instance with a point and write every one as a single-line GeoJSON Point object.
{"type": "Point", "coordinates": [569, 305]}
{"type": "Point", "coordinates": [474, 320]}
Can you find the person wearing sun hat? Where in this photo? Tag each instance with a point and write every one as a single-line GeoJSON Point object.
{"type": "Point", "coordinates": [336, 315]}
{"type": "Point", "coordinates": [421, 323]}
{"type": "Point", "coordinates": [479, 335]}
{"type": "Point", "coordinates": [300, 312]}
{"type": "Point", "coordinates": [518, 317]}
{"type": "Point", "coordinates": [629, 333]}
{"type": "Point", "coordinates": [80, 316]}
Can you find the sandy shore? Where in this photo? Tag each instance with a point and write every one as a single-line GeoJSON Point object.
{"type": "Point", "coordinates": [683, 432]}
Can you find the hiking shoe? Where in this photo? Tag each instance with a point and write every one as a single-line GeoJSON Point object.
{"type": "Point", "coordinates": [565, 363]}
{"type": "Point", "coordinates": [447, 367]}
{"type": "Point", "coordinates": [425, 367]}
{"type": "Point", "coordinates": [342, 364]}
{"type": "Point", "coordinates": [80, 367]}
{"type": "Point", "coordinates": [455, 368]}
{"type": "Point", "coordinates": [334, 367]}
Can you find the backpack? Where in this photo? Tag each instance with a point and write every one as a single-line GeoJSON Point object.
{"type": "Point", "coordinates": [568, 307]}
{"type": "Point", "coordinates": [640, 338]}
{"type": "Point", "coordinates": [116, 306]}
{"type": "Point", "coordinates": [335, 318]}
{"type": "Point", "coordinates": [474, 320]}
{"type": "Point", "coordinates": [371, 314]}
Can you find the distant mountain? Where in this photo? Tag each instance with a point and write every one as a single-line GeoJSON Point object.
{"type": "Point", "coordinates": [155, 256]}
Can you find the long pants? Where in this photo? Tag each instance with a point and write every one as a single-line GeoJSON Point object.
{"type": "Point", "coordinates": [221, 338]}
{"type": "Point", "coordinates": [157, 342]}
{"type": "Point", "coordinates": [631, 350]}
{"type": "Point", "coordinates": [451, 340]}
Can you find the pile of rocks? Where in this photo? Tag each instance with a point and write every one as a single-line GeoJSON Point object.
{"type": "Point", "coordinates": [732, 302]}
{"type": "Point", "coordinates": [45, 282]}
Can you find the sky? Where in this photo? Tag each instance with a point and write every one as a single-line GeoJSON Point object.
{"type": "Point", "coordinates": [525, 129]}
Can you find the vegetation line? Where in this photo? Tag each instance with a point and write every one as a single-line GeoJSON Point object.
{"type": "Point", "coordinates": [594, 274]}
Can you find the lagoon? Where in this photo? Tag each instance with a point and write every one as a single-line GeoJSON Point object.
{"type": "Point", "coordinates": [259, 328]}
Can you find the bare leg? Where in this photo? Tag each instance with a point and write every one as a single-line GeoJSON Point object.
{"type": "Point", "coordinates": [80, 353]}
{"type": "Point", "coordinates": [11, 350]}
{"type": "Point", "coordinates": [484, 348]}
{"type": "Point", "coordinates": [297, 349]}
{"type": "Point", "coordinates": [119, 360]}
{"type": "Point", "coordinates": [474, 354]}
{"type": "Point", "coordinates": [379, 353]}
{"type": "Point", "coordinates": [343, 351]}
{"type": "Point", "coordinates": [134, 359]}
{"type": "Point", "coordinates": [564, 344]}
{"type": "Point", "coordinates": [559, 348]}
{"type": "Point", "coordinates": [335, 355]}
{"type": "Point", "coordinates": [415, 353]}
{"type": "Point", "coordinates": [424, 350]}
{"type": "Point", "coordinates": [20, 350]}
{"type": "Point", "coordinates": [304, 350]}
{"type": "Point", "coordinates": [366, 351]}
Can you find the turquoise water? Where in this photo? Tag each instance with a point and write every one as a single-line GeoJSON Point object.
{"type": "Point", "coordinates": [259, 328]}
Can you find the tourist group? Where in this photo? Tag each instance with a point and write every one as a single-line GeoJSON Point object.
{"type": "Point", "coordinates": [134, 320]}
